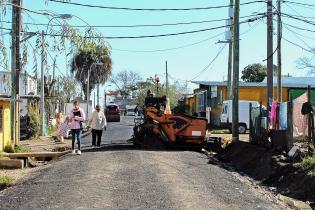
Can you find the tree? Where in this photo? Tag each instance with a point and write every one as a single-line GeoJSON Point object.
{"type": "Point", "coordinates": [126, 82]}
{"type": "Point", "coordinates": [86, 57]}
{"type": "Point", "coordinates": [256, 72]}
{"type": "Point", "coordinates": [175, 91]}
{"type": "Point", "coordinates": [307, 62]}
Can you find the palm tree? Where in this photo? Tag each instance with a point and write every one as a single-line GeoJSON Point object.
{"type": "Point", "coordinates": [84, 59]}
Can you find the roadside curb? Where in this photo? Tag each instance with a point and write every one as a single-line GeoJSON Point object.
{"type": "Point", "coordinates": [299, 205]}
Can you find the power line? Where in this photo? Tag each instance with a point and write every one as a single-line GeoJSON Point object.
{"type": "Point", "coordinates": [158, 35]}
{"type": "Point", "coordinates": [131, 26]}
{"type": "Point", "coordinates": [211, 62]}
{"type": "Point", "coordinates": [169, 49]}
{"type": "Point", "coordinates": [299, 28]}
{"type": "Point", "coordinates": [149, 9]}
{"type": "Point", "coordinates": [299, 3]}
{"type": "Point", "coordinates": [297, 45]}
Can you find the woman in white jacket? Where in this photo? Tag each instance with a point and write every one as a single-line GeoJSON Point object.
{"type": "Point", "coordinates": [97, 122]}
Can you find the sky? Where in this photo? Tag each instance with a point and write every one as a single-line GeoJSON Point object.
{"type": "Point", "coordinates": [188, 62]}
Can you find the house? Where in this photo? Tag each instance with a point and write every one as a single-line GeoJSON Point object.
{"type": "Point", "coordinates": [27, 88]}
{"type": "Point", "coordinates": [5, 127]}
{"type": "Point", "coordinates": [212, 94]}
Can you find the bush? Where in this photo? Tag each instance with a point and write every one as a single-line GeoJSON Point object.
{"type": "Point", "coordinates": [5, 181]}
{"type": "Point", "coordinates": [20, 149]}
{"type": "Point", "coordinates": [34, 121]}
{"type": "Point", "coordinates": [8, 148]}
{"type": "Point", "coordinates": [308, 164]}
{"type": "Point", "coordinates": [52, 130]}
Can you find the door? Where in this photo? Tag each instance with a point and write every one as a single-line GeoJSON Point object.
{"type": "Point", "coordinates": [224, 113]}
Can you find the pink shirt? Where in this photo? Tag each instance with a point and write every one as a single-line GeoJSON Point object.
{"type": "Point", "coordinates": [75, 120]}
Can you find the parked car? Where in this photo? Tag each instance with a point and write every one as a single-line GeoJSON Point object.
{"type": "Point", "coordinates": [112, 113]}
{"type": "Point", "coordinates": [226, 115]}
{"type": "Point", "coordinates": [131, 112]}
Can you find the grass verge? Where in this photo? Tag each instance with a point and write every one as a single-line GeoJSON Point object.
{"type": "Point", "coordinates": [5, 181]}
{"type": "Point", "coordinates": [308, 164]}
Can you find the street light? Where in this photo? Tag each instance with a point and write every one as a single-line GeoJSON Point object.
{"type": "Point", "coordinates": [42, 93]}
{"type": "Point", "coordinates": [88, 87]}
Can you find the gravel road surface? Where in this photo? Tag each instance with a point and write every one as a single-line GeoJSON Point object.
{"type": "Point", "coordinates": [117, 176]}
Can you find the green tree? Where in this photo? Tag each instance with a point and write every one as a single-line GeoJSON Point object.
{"type": "Point", "coordinates": [86, 57]}
{"type": "Point", "coordinates": [256, 72]}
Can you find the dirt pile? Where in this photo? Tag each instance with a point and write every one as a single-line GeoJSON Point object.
{"type": "Point", "coordinates": [271, 169]}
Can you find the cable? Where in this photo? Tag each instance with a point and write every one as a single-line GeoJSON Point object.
{"type": "Point", "coordinates": [158, 35]}
{"type": "Point", "coordinates": [169, 49]}
{"type": "Point", "coordinates": [149, 9]}
{"type": "Point", "coordinates": [300, 19]}
{"type": "Point", "coordinates": [211, 62]}
{"type": "Point", "coordinates": [297, 36]}
{"type": "Point", "coordinates": [298, 3]}
{"type": "Point", "coordinates": [297, 45]}
{"type": "Point", "coordinates": [132, 26]}
{"type": "Point", "coordinates": [299, 28]}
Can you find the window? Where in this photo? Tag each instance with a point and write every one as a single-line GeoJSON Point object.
{"type": "Point", "coordinates": [1, 118]}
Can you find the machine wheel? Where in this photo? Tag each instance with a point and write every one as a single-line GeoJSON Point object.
{"type": "Point", "coordinates": [242, 129]}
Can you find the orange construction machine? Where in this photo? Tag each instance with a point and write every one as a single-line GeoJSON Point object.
{"type": "Point", "coordinates": [159, 128]}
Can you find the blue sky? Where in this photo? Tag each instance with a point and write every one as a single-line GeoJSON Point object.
{"type": "Point", "coordinates": [184, 63]}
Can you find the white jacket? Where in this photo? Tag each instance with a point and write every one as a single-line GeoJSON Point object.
{"type": "Point", "coordinates": [97, 120]}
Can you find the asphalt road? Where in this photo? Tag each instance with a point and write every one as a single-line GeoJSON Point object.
{"type": "Point", "coordinates": [121, 177]}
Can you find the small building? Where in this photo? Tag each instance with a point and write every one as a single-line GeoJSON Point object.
{"type": "Point", "coordinates": [212, 94]}
{"type": "Point", "coordinates": [5, 126]}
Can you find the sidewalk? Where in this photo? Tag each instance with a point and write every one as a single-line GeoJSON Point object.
{"type": "Point", "coordinates": [47, 144]}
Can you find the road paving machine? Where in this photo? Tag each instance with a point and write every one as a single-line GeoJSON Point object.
{"type": "Point", "coordinates": [158, 128]}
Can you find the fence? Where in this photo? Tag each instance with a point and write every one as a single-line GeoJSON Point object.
{"type": "Point", "coordinates": [285, 126]}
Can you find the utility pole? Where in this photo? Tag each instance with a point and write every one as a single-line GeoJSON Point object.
{"type": "Point", "coordinates": [98, 94]}
{"type": "Point", "coordinates": [88, 93]}
{"type": "Point", "coordinates": [15, 71]}
{"type": "Point", "coordinates": [94, 100]}
{"type": "Point", "coordinates": [42, 86]}
{"type": "Point", "coordinates": [279, 59]}
{"type": "Point", "coordinates": [236, 58]}
{"type": "Point", "coordinates": [269, 54]}
{"type": "Point", "coordinates": [229, 79]}
{"type": "Point", "coordinates": [166, 79]}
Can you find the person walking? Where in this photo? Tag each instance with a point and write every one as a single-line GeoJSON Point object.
{"type": "Point", "coordinates": [76, 117]}
{"type": "Point", "coordinates": [59, 119]}
{"type": "Point", "coordinates": [97, 122]}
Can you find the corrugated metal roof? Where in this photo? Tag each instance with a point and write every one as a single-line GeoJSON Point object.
{"type": "Point", "coordinates": [292, 82]}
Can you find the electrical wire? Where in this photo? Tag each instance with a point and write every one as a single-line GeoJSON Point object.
{"type": "Point", "coordinates": [299, 28]}
{"type": "Point", "coordinates": [297, 45]}
{"type": "Point", "coordinates": [299, 3]}
{"type": "Point", "coordinates": [297, 36]}
{"type": "Point", "coordinates": [134, 26]}
{"type": "Point", "coordinates": [150, 9]}
{"type": "Point", "coordinates": [211, 62]}
{"type": "Point", "coordinates": [169, 49]}
{"type": "Point", "coordinates": [158, 35]}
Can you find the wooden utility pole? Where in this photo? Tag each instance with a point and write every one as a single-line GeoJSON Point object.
{"type": "Point", "coordinates": [236, 57]}
{"type": "Point", "coordinates": [42, 92]}
{"type": "Point", "coordinates": [15, 71]}
{"type": "Point", "coordinates": [166, 79]}
{"type": "Point", "coordinates": [269, 54]}
{"type": "Point", "coordinates": [279, 56]}
{"type": "Point", "coordinates": [98, 94]}
{"type": "Point", "coordinates": [229, 79]}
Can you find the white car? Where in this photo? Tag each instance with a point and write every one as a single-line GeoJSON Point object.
{"type": "Point", "coordinates": [131, 112]}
